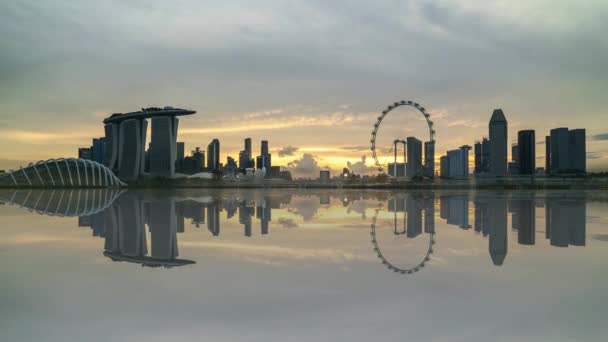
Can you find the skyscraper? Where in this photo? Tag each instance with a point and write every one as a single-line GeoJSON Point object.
{"type": "Point", "coordinates": [264, 159]}
{"type": "Point", "coordinates": [414, 157]}
{"type": "Point", "coordinates": [179, 156]}
{"type": "Point", "coordinates": [248, 146]}
{"type": "Point", "coordinates": [478, 158]}
{"type": "Point", "coordinates": [456, 163]}
{"type": "Point", "coordinates": [548, 155]}
{"type": "Point", "coordinates": [577, 151]}
{"type": "Point", "coordinates": [498, 144]}
{"type": "Point", "coordinates": [560, 162]}
{"type": "Point", "coordinates": [526, 145]}
{"type": "Point", "coordinates": [213, 155]}
{"type": "Point", "coordinates": [429, 158]}
{"type": "Point", "coordinates": [485, 155]}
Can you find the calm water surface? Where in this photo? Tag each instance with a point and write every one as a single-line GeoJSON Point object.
{"type": "Point", "coordinates": [284, 265]}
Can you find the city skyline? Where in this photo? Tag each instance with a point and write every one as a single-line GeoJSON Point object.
{"type": "Point", "coordinates": [283, 98]}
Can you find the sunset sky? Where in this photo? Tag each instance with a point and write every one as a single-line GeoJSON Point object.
{"type": "Point", "coordinates": [309, 76]}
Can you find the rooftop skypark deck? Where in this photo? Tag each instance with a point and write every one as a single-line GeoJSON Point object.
{"type": "Point", "coordinates": [146, 113]}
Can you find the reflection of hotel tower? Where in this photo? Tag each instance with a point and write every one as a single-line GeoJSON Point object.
{"type": "Point", "coordinates": [125, 236]}
{"type": "Point", "coordinates": [491, 221]}
{"type": "Point", "coordinates": [412, 207]}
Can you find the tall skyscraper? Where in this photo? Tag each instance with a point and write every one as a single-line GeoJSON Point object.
{"type": "Point", "coordinates": [498, 144]}
{"type": "Point", "coordinates": [485, 154]}
{"type": "Point", "coordinates": [456, 163]}
{"type": "Point", "coordinates": [213, 155]}
{"type": "Point", "coordinates": [478, 158]}
{"type": "Point", "coordinates": [526, 146]}
{"type": "Point", "coordinates": [163, 146]}
{"type": "Point", "coordinates": [248, 146]}
{"type": "Point", "coordinates": [560, 162]}
{"type": "Point", "coordinates": [548, 155]}
{"type": "Point", "coordinates": [577, 151]}
{"type": "Point", "coordinates": [179, 156]}
{"type": "Point", "coordinates": [414, 157]}
{"type": "Point", "coordinates": [429, 158]}
{"type": "Point", "coordinates": [264, 159]}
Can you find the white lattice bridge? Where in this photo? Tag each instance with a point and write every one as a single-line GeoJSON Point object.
{"type": "Point", "coordinates": [70, 172]}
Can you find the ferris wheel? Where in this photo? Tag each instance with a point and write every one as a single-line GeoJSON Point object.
{"type": "Point", "coordinates": [383, 115]}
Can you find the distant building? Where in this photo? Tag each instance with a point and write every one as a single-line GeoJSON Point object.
{"type": "Point", "coordinates": [414, 158]}
{"type": "Point", "coordinates": [444, 167]}
{"type": "Point", "coordinates": [397, 169]}
{"type": "Point", "coordinates": [512, 168]}
{"type": "Point", "coordinates": [275, 172]}
{"type": "Point", "coordinates": [98, 150]}
{"type": "Point", "coordinates": [498, 144]}
{"type": "Point", "coordinates": [84, 153]}
{"type": "Point", "coordinates": [526, 150]}
{"type": "Point", "coordinates": [194, 163]}
{"type": "Point", "coordinates": [180, 155]}
{"type": "Point", "coordinates": [231, 168]}
{"type": "Point", "coordinates": [456, 163]}
{"type": "Point", "coordinates": [514, 153]}
{"type": "Point", "coordinates": [213, 155]}
{"type": "Point", "coordinates": [478, 158]}
{"type": "Point", "coordinates": [485, 155]}
{"type": "Point", "coordinates": [324, 176]}
{"type": "Point", "coordinates": [568, 151]}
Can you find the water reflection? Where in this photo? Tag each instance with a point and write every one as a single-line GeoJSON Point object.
{"type": "Point", "coordinates": [121, 218]}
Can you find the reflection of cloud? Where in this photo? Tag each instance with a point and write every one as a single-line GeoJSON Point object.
{"type": "Point", "coordinates": [360, 167]}
{"type": "Point", "coordinates": [304, 206]}
{"type": "Point", "coordinates": [306, 166]}
{"type": "Point", "coordinates": [287, 223]}
{"type": "Point", "coordinates": [601, 237]}
{"type": "Point", "coordinates": [276, 252]}
{"type": "Point", "coordinates": [288, 151]}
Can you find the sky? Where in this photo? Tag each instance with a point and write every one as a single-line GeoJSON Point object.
{"type": "Point", "coordinates": [308, 76]}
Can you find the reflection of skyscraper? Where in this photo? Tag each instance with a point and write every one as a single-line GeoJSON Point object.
{"type": "Point", "coordinates": [526, 216]}
{"type": "Point", "coordinates": [565, 221]}
{"type": "Point", "coordinates": [429, 214]}
{"type": "Point", "coordinates": [245, 214]}
{"type": "Point", "coordinates": [163, 229]}
{"type": "Point", "coordinates": [132, 235]}
{"type": "Point", "coordinates": [455, 209]}
{"type": "Point", "coordinates": [213, 218]}
{"type": "Point", "coordinates": [497, 222]}
{"type": "Point", "coordinates": [263, 214]}
{"type": "Point", "coordinates": [414, 217]}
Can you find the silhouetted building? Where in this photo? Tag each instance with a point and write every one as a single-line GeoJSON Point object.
{"type": "Point", "coordinates": [230, 169]}
{"type": "Point", "coordinates": [456, 163]}
{"type": "Point", "coordinates": [84, 153]}
{"type": "Point", "coordinates": [429, 158]}
{"type": "Point", "coordinates": [577, 151]}
{"type": "Point", "coordinates": [526, 147]}
{"type": "Point", "coordinates": [560, 162]}
{"type": "Point", "coordinates": [213, 155]}
{"type": "Point", "coordinates": [397, 169]}
{"type": "Point", "coordinates": [478, 158]}
{"type": "Point", "coordinates": [498, 144]}
{"type": "Point", "coordinates": [444, 167]}
{"type": "Point", "coordinates": [324, 176]}
{"type": "Point", "coordinates": [180, 155]}
{"type": "Point", "coordinates": [163, 146]}
{"type": "Point", "coordinates": [264, 159]}
{"type": "Point", "coordinates": [548, 155]}
{"type": "Point", "coordinates": [414, 166]}
{"type": "Point", "coordinates": [98, 150]}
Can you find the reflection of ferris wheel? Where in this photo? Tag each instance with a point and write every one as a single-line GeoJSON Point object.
{"type": "Point", "coordinates": [385, 112]}
{"type": "Point", "coordinates": [391, 266]}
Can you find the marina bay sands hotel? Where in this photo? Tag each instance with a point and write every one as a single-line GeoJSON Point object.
{"type": "Point", "coordinates": [126, 140]}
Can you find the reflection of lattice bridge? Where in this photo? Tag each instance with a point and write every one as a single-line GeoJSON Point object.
{"type": "Point", "coordinates": [66, 202]}
{"type": "Point", "coordinates": [70, 172]}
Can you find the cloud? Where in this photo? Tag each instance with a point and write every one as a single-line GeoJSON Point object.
{"type": "Point", "coordinates": [361, 167]}
{"type": "Point", "coordinates": [288, 151]}
{"type": "Point", "coordinates": [305, 167]}
{"type": "Point", "coordinates": [600, 137]}
{"type": "Point", "coordinates": [594, 155]}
